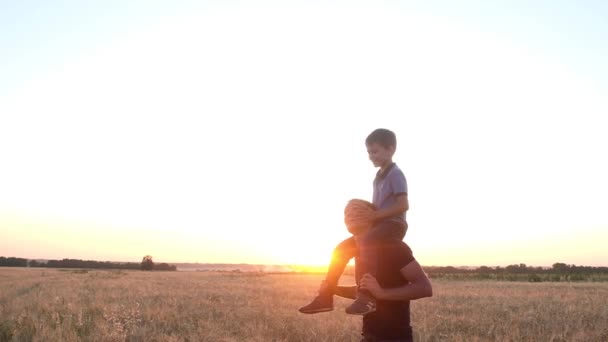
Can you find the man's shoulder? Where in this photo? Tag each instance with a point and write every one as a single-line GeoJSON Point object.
{"type": "Point", "coordinates": [401, 246]}
{"type": "Point", "coordinates": [399, 251]}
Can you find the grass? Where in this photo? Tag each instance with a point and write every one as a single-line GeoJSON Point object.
{"type": "Point", "coordinates": [96, 305]}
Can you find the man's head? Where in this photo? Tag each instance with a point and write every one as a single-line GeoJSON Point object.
{"type": "Point", "coordinates": [381, 145]}
{"type": "Point", "coordinates": [358, 216]}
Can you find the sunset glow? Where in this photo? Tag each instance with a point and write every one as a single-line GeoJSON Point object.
{"type": "Point", "coordinates": [235, 133]}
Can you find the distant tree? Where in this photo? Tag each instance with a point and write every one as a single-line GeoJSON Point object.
{"type": "Point", "coordinates": [147, 264]}
{"type": "Point", "coordinates": [165, 267]}
{"type": "Point", "coordinates": [484, 269]}
{"type": "Point", "coordinates": [560, 267]}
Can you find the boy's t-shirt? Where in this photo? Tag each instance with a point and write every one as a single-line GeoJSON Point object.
{"type": "Point", "coordinates": [388, 184]}
{"type": "Point", "coordinates": [391, 320]}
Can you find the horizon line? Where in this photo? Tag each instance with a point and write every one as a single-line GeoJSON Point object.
{"type": "Point", "coordinates": [302, 265]}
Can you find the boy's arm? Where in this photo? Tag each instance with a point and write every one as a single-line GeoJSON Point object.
{"type": "Point", "coordinates": [401, 205]}
{"type": "Point", "coordinates": [419, 285]}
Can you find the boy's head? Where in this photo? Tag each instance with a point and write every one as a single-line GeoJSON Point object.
{"type": "Point", "coordinates": [381, 145]}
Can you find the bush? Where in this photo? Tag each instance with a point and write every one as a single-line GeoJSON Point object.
{"type": "Point", "coordinates": [6, 331]}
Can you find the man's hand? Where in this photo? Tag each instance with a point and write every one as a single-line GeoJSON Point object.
{"type": "Point", "coordinates": [369, 283]}
{"type": "Point", "coordinates": [418, 285]}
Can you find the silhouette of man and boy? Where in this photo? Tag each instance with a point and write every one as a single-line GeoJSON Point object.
{"type": "Point", "coordinates": [387, 275]}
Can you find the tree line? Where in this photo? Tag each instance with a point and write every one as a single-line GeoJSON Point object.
{"type": "Point", "coordinates": [521, 272]}
{"type": "Point", "coordinates": [517, 272]}
{"type": "Point", "coordinates": [147, 264]}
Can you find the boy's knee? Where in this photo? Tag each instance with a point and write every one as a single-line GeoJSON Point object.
{"type": "Point", "coordinates": [344, 254]}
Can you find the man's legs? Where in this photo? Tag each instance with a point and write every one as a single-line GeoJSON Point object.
{"type": "Point", "coordinates": [343, 252]}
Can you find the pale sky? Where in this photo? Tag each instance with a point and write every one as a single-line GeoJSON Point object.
{"type": "Point", "coordinates": [223, 131]}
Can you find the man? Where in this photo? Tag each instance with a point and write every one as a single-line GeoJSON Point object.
{"type": "Point", "coordinates": [400, 279]}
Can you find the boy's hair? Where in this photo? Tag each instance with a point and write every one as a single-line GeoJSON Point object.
{"type": "Point", "coordinates": [382, 137]}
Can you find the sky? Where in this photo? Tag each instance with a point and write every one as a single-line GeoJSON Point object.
{"type": "Point", "coordinates": [233, 131]}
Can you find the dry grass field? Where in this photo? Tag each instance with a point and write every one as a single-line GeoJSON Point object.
{"type": "Point", "coordinates": [79, 305]}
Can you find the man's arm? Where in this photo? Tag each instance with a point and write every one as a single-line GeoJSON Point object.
{"type": "Point", "coordinates": [401, 205]}
{"type": "Point", "coordinates": [419, 285]}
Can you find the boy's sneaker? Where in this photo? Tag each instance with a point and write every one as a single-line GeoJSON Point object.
{"type": "Point", "coordinates": [363, 305]}
{"type": "Point", "coordinates": [322, 303]}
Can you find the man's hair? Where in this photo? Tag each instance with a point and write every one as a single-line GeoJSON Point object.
{"type": "Point", "coordinates": [382, 137]}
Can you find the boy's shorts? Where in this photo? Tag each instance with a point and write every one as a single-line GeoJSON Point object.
{"type": "Point", "coordinates": [387, 230]}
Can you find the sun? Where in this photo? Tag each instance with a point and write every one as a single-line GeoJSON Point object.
{"type": "Point", "coordinates": [308, 252]}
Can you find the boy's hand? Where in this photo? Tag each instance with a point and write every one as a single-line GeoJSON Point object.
{"type": "Point", "coordinates": [373, 216]}
{"type": "Point", "coordinates": [368, 282]}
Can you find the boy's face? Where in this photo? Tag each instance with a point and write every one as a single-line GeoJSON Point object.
{"type": "Point", "coordinates": [379, 155]}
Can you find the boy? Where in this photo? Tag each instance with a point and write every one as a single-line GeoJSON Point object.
{"type": "Point", "coordinates": [390, 199]}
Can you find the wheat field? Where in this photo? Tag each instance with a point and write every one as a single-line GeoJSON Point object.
{"type": "Point", "coordinates": [98, 305]}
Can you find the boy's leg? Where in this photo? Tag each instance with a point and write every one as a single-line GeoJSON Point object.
{"type": "Point", "coordinates": [370, 244]}
{"type": "Point", "coordinates": [343, 252]}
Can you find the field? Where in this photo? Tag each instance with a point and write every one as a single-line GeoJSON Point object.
{"type": "Point", "coordinates": [80, 305]}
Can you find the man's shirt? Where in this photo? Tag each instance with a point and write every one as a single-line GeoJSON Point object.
{"type": "Point", "coordinates": [391, 320]}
